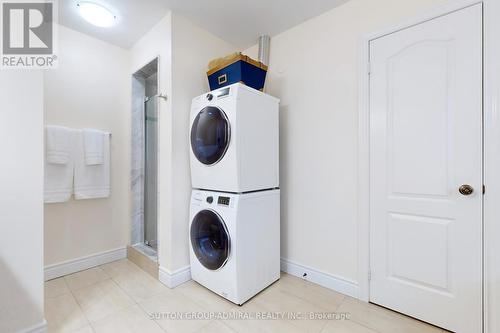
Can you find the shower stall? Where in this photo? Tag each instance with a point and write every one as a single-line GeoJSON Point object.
{"type": "Point", "coordinates": [145, 159]}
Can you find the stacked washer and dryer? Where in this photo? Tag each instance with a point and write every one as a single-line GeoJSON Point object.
{"type": "Point", "coordinates": [235, 202]}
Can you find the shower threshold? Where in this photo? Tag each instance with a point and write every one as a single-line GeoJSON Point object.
{"type": "Point", "coordinates": [146, 250]}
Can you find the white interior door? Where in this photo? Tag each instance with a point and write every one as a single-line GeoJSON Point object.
{"type": "Point", "coordinates": [425, 144]}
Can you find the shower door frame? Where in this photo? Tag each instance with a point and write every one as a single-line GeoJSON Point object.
{"type": "Point", "coordinates": [158, 89]}
{"type": "Point", "coordinates": [158, 144]}
{"type": "Point", "coordinates": [145, 198]}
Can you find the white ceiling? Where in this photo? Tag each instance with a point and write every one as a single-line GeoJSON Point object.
{"type": "Point", "coordinates": [134, 19]}
{"type": "Point", "coordinates": [239, 22]}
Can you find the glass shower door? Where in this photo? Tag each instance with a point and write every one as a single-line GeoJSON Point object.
{"type": "Point", "coordinates": [150, 171]}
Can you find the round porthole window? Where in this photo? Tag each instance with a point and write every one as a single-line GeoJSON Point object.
{"type": "Point", "coordinates": [210, 239]}
{"type": "Point", "coordinates": [210, 135]}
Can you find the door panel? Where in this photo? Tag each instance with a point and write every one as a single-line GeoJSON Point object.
{"type": "Point", "coordinates": [425, 142]}
{"type": "Point", "coordinates": [419, 167]}
{"type": "Point", "coordinates": [413, 239]}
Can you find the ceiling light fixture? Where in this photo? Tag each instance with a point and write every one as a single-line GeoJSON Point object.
{"type": "Point", "coordinates": [96, 14]}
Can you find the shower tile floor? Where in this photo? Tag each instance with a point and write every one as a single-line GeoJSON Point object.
{"type": "Point", "coordinates": [120, 297]}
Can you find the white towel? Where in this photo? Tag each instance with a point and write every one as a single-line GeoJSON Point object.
{"type": "Point", "coordinates": [58, 144]}
{"type": "Point", "coordinates": [91, 181]}
{"type": "Point", "coordinates": [58, 185]}
{"type": "Point", "coordinates": [93, 141]}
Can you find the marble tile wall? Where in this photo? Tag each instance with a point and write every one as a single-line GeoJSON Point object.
{"type": "Point", "coordinates": [138, 93]}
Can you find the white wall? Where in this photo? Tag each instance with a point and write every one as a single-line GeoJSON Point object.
{"type": "Point", "coordinates": [192, 49]}
{"type": "Point", "coordinates": [158, 43]}
{"type": "Point", "coordinates": [313, 69]}
{"type": "Point", "coordinates": [21, 198]}
{"type": "Point", "coordinates": [90, 88]}
{"type": "Point", "coordinates": [184, 50]}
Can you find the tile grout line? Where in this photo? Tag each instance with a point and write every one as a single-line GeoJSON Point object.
{"type": "Point", "coordinates": [122, 290]}
{"type": "Point", "coordinates": [292, 322]}
{"type": "Point", "coordinates": [77, 303]}
{"type": "Point", "coordinates": [346, 297]}
{"type": "Point", "coordinates": [394, 315]}
{"type": "Point", "coordinates": [202, 305]}
{"type": "Point", "coordinates": [135, 301]}
{"type": "Point", "coordinates": [147, 315]}
{"type": "Point", "coordinates": [337, 310]}
{"type": "Point", "coordinates": [306, 296]}
{"type": "Point", "coordinates": [76, 299]}
{"type": "Point", "coordinates": [140, 270]}
{"type": "Point", "coordinates": [355, 321]}
{"type": "Point", "coordinates": [188, 298]}
{"type": "Point", "coordinates": [108, 277]}
{"type": "Point", "coordinates": [227, 326]}
{"type": "Point", "coordinates": [315, 304]}
{"type": "Point", "coordinates": [284, 290]}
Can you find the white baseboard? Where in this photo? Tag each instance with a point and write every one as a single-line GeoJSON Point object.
{"type": "Point", "coordinates": [338, 284]}
{"type": "Point", "coordinates": [79, 264]}
{"type": "Point", "coordinates": [173, 279]}
{"type": "Point", "coordinates": [38, 328]}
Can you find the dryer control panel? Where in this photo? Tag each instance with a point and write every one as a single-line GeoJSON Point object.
{"type": "Point", "coordinates": [223, 201]}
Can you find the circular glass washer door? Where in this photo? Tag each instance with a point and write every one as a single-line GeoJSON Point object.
{"type": "Point", "coordinates": [210, 239]}
{"type": "Point", "coordinates": [210, 135]}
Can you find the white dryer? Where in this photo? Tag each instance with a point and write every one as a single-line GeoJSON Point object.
{"type": "Point", "coordinates": [235, 242]}
{"type": "Point", "coordinates": [235, 140]}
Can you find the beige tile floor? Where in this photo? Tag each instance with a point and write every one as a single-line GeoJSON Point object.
{"type": "Point", "coordinates": [120, 297]}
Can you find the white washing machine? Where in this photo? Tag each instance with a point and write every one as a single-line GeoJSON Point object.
{"type": "Point", "coordinates": [235, 242]}
{"type": "Point", "coordinates": [235, 140]}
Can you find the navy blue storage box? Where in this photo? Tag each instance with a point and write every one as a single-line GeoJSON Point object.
{"type": "Point", "coordinates": [239, 69]}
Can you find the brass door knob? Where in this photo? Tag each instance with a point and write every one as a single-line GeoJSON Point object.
{"type": "Point", "coordinates": [466, 189]}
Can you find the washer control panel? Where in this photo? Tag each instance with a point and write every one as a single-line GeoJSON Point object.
{"type": "Point", "coordinates": [211, 199]}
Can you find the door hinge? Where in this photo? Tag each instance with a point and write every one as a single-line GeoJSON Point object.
{"type": "Point", "coordinates": [369, 275]}
{"type": "Point", "coordinates": [369, 68]}
{"type": "Point", "coordinates": [484, 189]}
